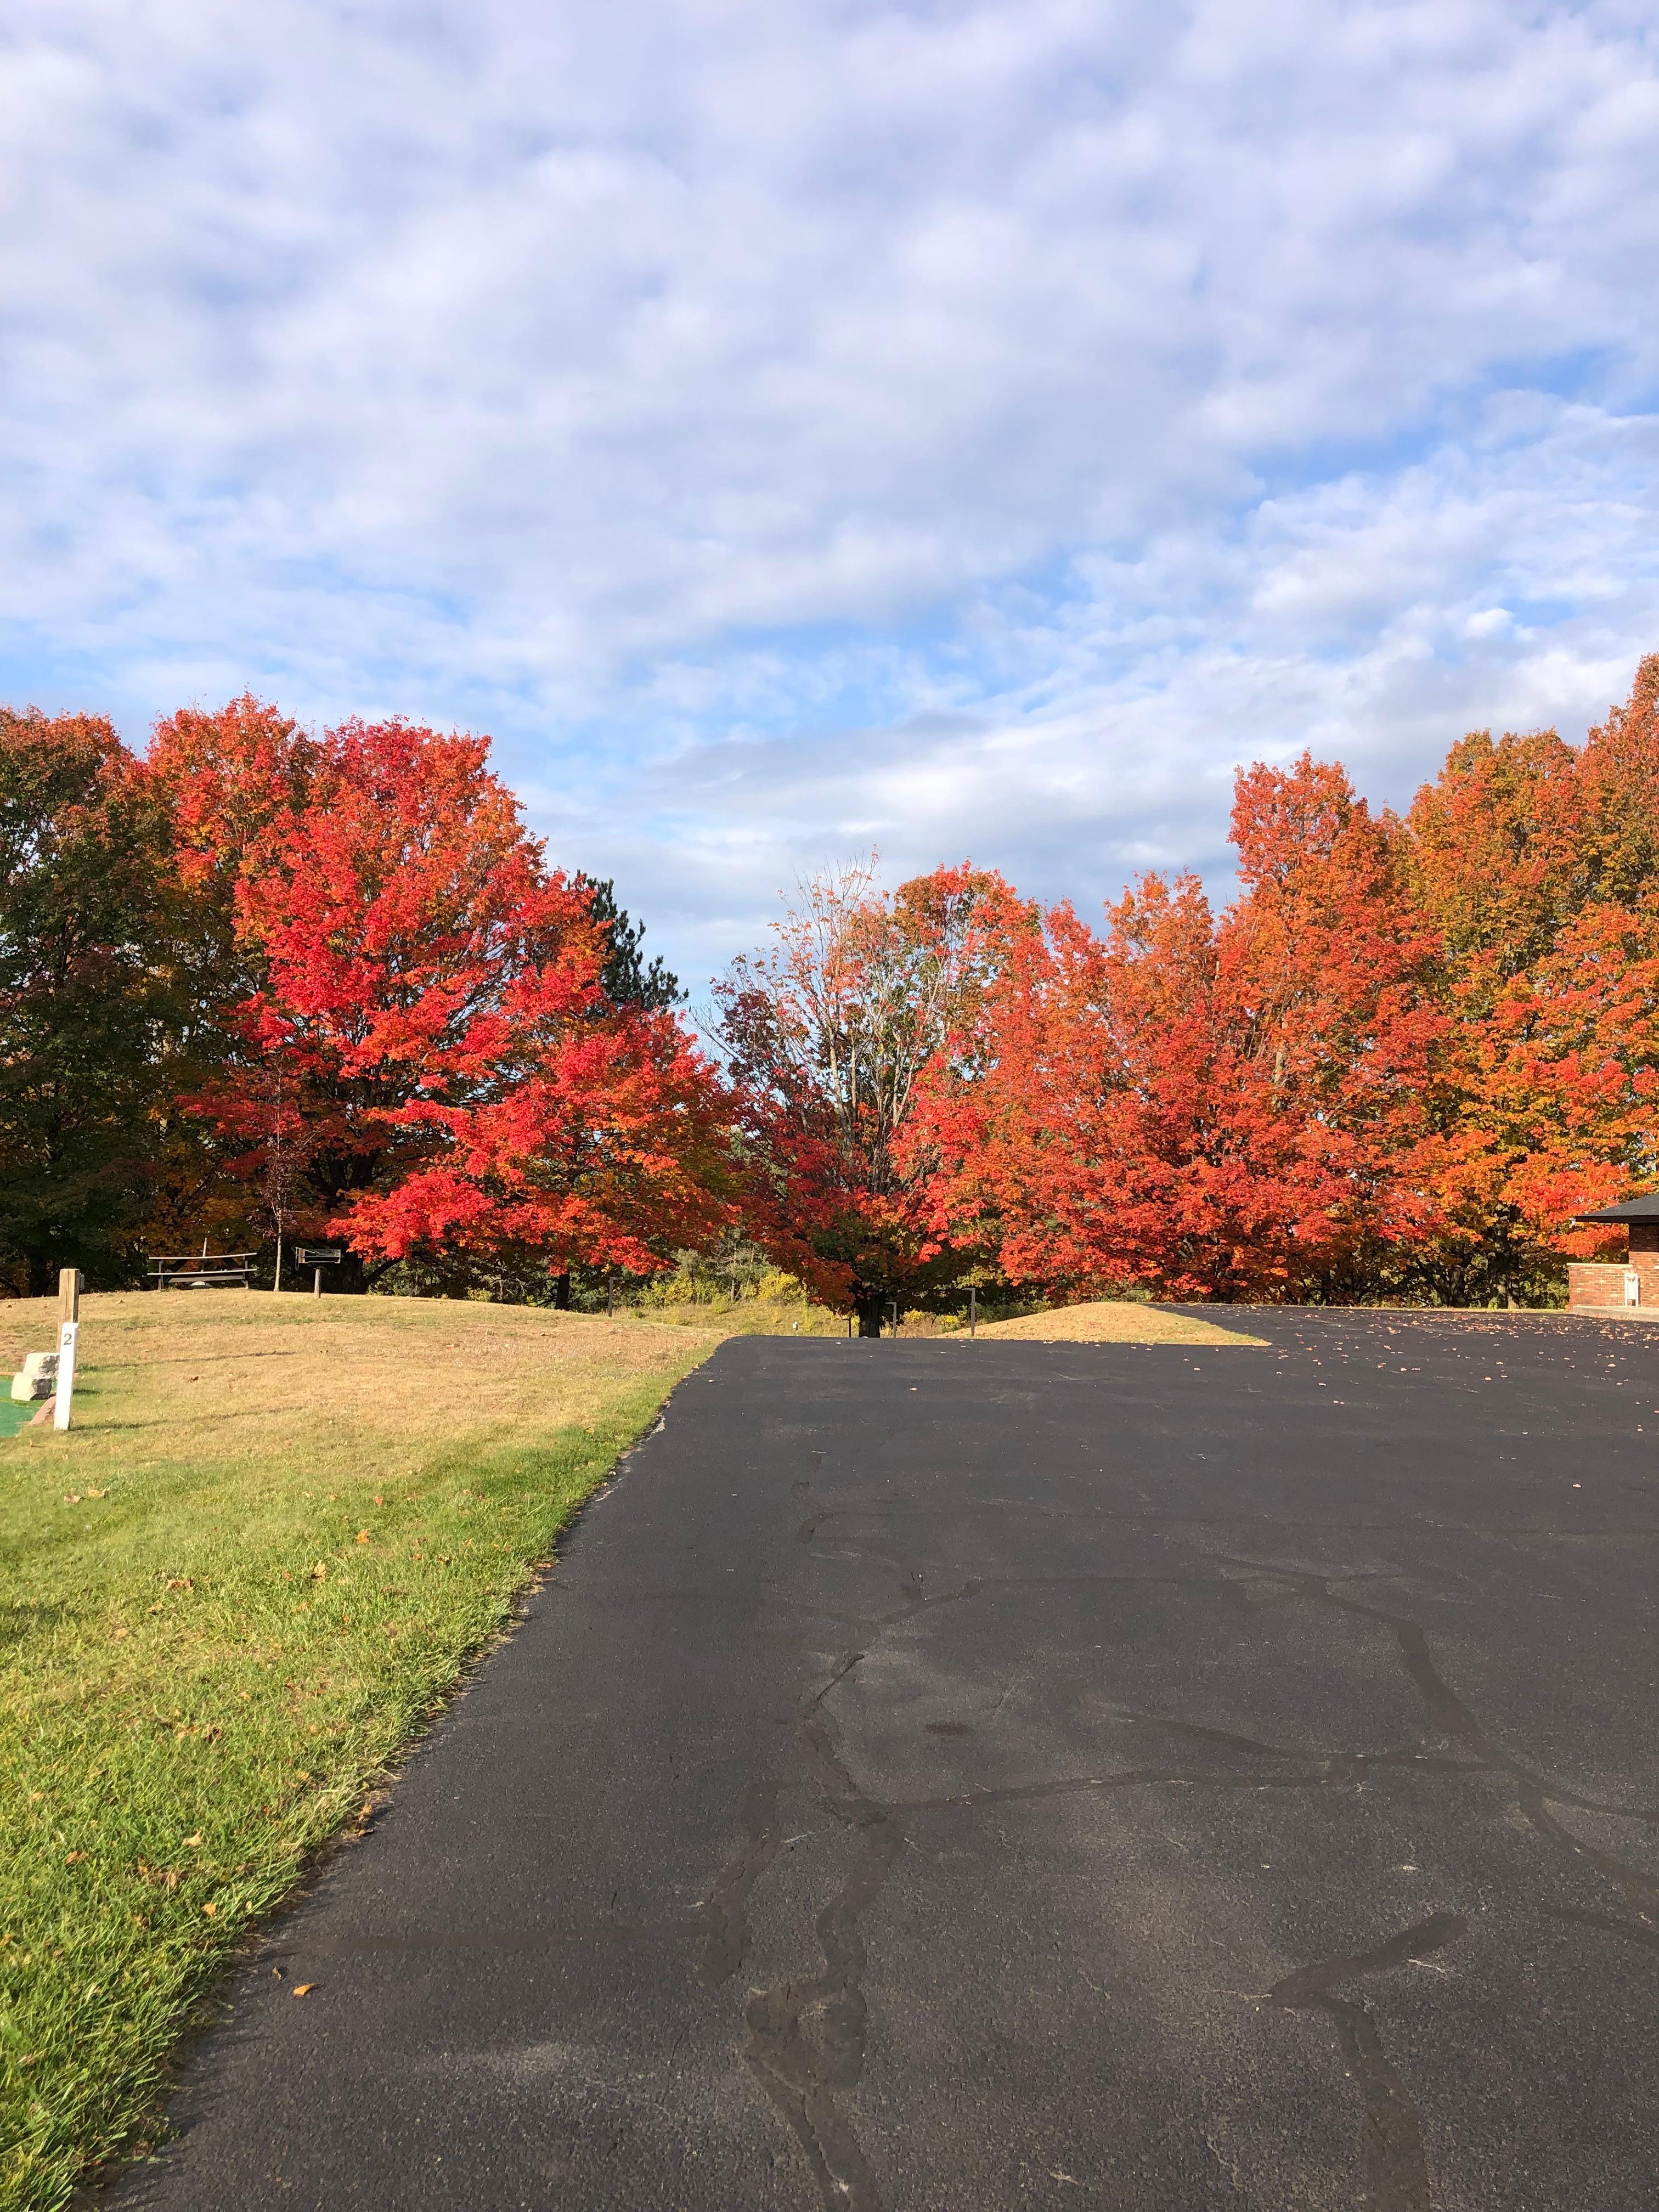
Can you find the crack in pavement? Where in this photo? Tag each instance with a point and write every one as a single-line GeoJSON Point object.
{"type": "Point", "coordinates": [726, 1908]}
{"type": "Point", "coordinates": [1446, 1712]}
{"type": "Point", "coordinates": [1650, 1935]}
{"type": "Point", "coordinates": [806, 2034]}
{"type": "Point", "coordinates": [1397, 2168]}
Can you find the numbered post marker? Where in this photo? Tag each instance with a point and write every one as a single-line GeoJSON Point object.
{"type": "Point", "coordinates": [67, 1333]}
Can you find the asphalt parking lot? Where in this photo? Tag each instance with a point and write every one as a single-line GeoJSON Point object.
{"type": "Point", "coordinates": [957, 1776]}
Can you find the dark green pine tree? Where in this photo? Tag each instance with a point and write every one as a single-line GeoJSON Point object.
{"type": "Point", "coordinates": [88, 999]}
{"type": "Point", "coordinates": [627, 981]}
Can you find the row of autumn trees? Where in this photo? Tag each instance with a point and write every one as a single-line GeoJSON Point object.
{"type": "Point", "coordinates": [260, 984]}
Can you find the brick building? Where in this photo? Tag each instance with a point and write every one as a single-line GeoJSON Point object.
{"type": "Point", "coordinates": [1597, 1286]}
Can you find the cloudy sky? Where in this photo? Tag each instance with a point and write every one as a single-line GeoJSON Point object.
{"type": "Point", "coordinates": [790, 426]}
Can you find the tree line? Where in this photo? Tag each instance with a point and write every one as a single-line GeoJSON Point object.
{"type": "Point", "coordinates": [259, 985]}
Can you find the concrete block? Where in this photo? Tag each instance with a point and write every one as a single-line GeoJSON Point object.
{"type": "Point", "coordinates": [40, 1363]}
{"type": "Point", "coordinates": [25, 1388]}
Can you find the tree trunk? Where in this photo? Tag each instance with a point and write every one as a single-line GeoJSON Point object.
{"type": "Point", "coordinates": [562, 1292]}
{"type": "Point", "coordinates": [870, 1305]}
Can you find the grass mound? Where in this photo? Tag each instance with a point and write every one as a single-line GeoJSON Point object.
{"type": "Point", "coordinates": [270, 1544]}
{"type": "Point", "coordinates": [1114, 1320]}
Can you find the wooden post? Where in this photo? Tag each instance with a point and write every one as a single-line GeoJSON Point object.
{"type": "Point", "coordinates": [973, 1310]}
{"type": "Point", "coordinates": [316, 1283]}
{"type": "Point", "coordinates": [609, 1295]}
{"type": "Point", "coordinates": [68, 1329]}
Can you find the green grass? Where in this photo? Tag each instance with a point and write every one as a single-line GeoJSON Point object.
{"type": "Point", "coordinates": [233, 1592]}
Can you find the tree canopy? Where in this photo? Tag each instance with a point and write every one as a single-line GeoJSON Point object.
{"type": "Point", "coordinates": [270, 983]}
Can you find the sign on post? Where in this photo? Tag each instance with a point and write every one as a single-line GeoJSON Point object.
{"type": "Point", "coordinates": [69, 1327]}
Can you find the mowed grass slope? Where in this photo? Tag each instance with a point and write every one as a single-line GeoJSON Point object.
{"type": "Point", "coordinates": [231, 1593]}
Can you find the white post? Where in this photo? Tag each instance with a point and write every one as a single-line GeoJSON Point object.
{"type": "Point", "coordinates": [67, 1332]}
{"type": "Point", "coordinates": [69, 1327]}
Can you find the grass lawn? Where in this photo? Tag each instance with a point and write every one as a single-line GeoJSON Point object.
{"type": "Point", "coordinates": [271, 1542]}
{"type": "Point", "coordinates": [1114, 1320]}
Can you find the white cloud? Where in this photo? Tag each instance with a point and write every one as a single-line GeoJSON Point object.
{"type": "Point", "coordinates": [970, 426]}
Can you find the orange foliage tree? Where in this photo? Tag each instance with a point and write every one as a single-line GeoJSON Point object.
{"type": "Point", "coordinates": [1220, 1109]}
{"type": "Point", "coordinates": [1538, 864]}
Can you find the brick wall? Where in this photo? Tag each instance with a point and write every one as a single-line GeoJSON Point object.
{"type": "Point", "coordinates": [1596, 1285]}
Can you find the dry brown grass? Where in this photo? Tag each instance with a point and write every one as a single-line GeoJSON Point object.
{"type": "Point", "coordinates": [1114, 1320]}
{"type": "Point", "coordinates": [347, 1383]}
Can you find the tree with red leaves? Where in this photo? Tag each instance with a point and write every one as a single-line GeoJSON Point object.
{"type": "Point", "coordinates": [428, 1044]}
{"type": "Point", "coordinates": [830, 1035]}
{"type": "Point", "coordinates": [1217, 1109]}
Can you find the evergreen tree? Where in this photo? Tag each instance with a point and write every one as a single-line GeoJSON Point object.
{"type": "Point", "coordinates": [626, 979]}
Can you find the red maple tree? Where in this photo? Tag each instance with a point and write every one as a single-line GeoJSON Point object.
{"type": "Point", "coordinates": [427, 1044]}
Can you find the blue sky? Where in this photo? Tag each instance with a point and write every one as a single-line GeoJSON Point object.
{"type": "Point", "coordinates": [969, 430]}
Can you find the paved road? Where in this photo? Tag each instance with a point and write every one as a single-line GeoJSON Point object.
{"type": "Point", "coordinates": [948, 1777]}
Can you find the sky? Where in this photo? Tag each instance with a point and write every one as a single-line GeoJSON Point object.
{"type": "Point", "coordinates": [965, 431]}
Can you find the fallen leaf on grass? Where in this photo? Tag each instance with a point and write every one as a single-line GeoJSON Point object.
{"type": "Point", "coordinates": [210, 1910]}
{"type": "Point", "coordinates": [192, 1842]}
{"type": "Point", "coordinates": [363, 1535]}
{"type": "Point", "coordinates": [71, 1498]}
{"type": "Point", "coordinates": [72, 1857]}
{"type": "Point", "coordinates": [179, 1582]}
{"type": "Point", "coordinates": [91, 1492]}
{"type": "Point", "coordinates": [319, 1572]}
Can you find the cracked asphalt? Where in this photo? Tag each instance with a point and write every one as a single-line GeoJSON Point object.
{"type": "Point", "coordinates": [944, 1775]}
